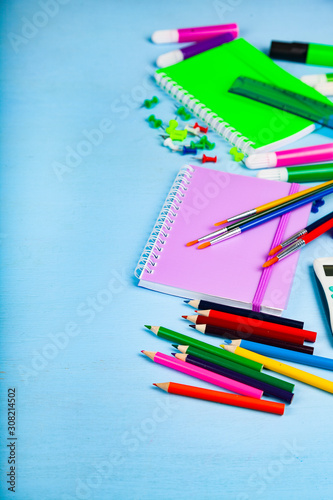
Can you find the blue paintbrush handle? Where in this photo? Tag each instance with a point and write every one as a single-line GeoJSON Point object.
{"type": "Point", "coordinates": [284, 210]}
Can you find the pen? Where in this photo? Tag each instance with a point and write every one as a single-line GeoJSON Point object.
{"type": "Point", "coordinates": [179, 55]}
{"type": "Point", "coordinates": [308, 53]}
{"type": "Point", "coordinates": [303, 173]}
{"type": "Point", "coordinates": [196, 34]}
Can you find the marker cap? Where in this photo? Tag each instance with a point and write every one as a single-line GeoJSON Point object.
{"type": "Point", "coordinates": [165, 36]}
{"type": "Point", "coordinates": [261, 160]}
{"type": "Point", "coordinates": [289, 51]}
{"type": "Point", "coordinates": [169, 58]}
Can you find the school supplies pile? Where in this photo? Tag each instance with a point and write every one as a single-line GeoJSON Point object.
{"type": "Point", "coordinates": [251, 340]}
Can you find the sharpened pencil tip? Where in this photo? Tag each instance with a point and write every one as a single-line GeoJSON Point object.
{"type": "Point", "coordinates": [191, 326]}
{"type": "Point", "coordinates": [173, 354]}
{"type": "Point", "coordinates": [175, 346]}
{"type": "Point", "coordinates": [143, 351]}
{"type": "Point", "coordinates": [204, 245]}
{"type": "Point", "coordinates": [185, 317]}
{"type": "Point", "coordinates": [155, 385]}
{"type": "Point", "coordinates": [190, 243]}
{"type": "Point", "coordinates": [275, 250]}
{"type": "Point", "coordinates": [270, 262]}
{"type": "Point", "coordinates": [148, 326]}
{"type": "Point", "coordinates": [187, 301]}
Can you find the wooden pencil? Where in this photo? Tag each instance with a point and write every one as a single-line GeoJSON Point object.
{"type": "Point", "coordinates": [289, 371]}
{"type": "Point", "coordinates": [222, 397]}
{"type": "Point", "coordinates": [207, 376]}
{"type": "Point", "coordinates": [224, 333]}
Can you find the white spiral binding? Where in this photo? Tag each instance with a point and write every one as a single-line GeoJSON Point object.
{"type": "Point", "coordinates": [163, 226]}
{"type": "Point", "coordinates": [199, 109]}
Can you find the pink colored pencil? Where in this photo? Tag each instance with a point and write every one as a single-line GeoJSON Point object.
{"type": "Point", "coordinates": [202, 374]}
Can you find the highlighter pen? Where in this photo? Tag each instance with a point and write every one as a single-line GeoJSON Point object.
{"type": "Point", "coordinates": [308, 53]}
{"type": "Point", "coordinates": [183, 35]}
{"type": "Point", "coordinates": [179, 55]}
{"type": "Point", "coordinates": [289, 157]}
{"type": "Point", "coordinates": [303, 173]}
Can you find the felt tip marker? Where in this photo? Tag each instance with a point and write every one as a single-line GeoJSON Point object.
{"type": "Point", "coordinates": [289, 157]}
{"type": "Point", "coordinates": [183, 35]}
{"type": "Point", "coordinates": [303, 173]}
{"type": "Point", "coordinates": [176, 56]}
{"type": "Point", "coordinates": [308, 53]}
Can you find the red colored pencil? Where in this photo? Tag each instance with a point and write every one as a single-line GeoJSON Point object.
{"type": "Point", "coordinates": [259, 324]}
{"type": "Point", "coordinates": [300, 242]}
{"type": "Point", "coordinates": [222, 397]}
{"type": "Point", "coordinates": [203, 320]}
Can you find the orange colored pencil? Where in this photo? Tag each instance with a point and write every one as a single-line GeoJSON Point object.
{"type": "Point", "coordinates": [272, 204]}
{"type": "Point", "coordinates": [222, 397]}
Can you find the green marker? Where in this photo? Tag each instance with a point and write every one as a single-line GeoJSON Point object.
{"type": "Point", "coordinates": [217, 360]}
{"type": "Point", "coordinates": [302, 173]}
{"type": "Point", "coordinates": [308, 53]}
{"type": "Point", "coordinates": [179, 338]}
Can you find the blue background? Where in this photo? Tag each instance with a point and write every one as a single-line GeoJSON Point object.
{"type": "Point", "coordinates": [90, 425]}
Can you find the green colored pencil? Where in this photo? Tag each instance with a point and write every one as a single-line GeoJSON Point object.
{"type": "Point", "coordinates": [167, 334]}
{"type": "Point", "coordinates": [199, 353]}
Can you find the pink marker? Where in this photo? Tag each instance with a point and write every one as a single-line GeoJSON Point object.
{"type": "Point", "coordinates": [289, 157]}
{"type": "Point", "coordinates": [202, 374]}
{"type": "Point", "coordinates": [193, 34]}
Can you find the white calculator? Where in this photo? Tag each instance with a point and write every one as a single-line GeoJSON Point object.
{"type": "Point", "coordinates": [324, 272]}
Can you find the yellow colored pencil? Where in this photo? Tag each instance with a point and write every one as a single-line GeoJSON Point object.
{"type": "Point", "coordinates": [272, 204]}
{"type": "Point", "coordinates": [289, 371]}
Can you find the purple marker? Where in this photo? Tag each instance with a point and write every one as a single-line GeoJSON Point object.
{"type": "Point", "coordinates": [176, 56]}
{"type": "Point", "coordinates": [184, 35]}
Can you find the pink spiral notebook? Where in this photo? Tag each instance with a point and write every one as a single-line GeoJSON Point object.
{"type": "Point", "coordinates": [230, 272]}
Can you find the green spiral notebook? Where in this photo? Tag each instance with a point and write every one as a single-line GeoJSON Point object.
{"type": "Point", "coordinates": [201, 83]}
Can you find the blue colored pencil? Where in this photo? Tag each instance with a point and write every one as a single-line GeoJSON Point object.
{"type": "Point", "coordinates": [285, 354]}
{"type": "Point", "coordinates": [244, 226]}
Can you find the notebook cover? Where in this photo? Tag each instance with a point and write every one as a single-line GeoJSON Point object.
{"type": "Point", "coordinates": [231, 269]}
{"type": "Point", "coordinates": [209, 75]}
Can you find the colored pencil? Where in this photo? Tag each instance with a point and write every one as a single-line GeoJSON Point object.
{"type": "Point", "coordinates": [262, 377]}
{"type": "Point", "coordinates": [205, 304]}
{"type": "Point", "coordinates": [254, 220]}
{"type": "Point", "coordinates": [297, 235]}
{"type": "Point", "coordinates": [265, 217]}
{"type": "Point", "coordinates": [260, 326]}
{"type": "Point", "coordinates": [296, 357]}
{"type": "Point", "coordinates": [231, 334]}
{"type": "Point", "coordinates": [202, 374]}
{"type": "Point", "coordinates": [300, 242]}
{"type": "Point", "coordinates": [268, 389]}
{"type": "Point", "coordinates": [274, 203]}
{"type": "Point", "coordinates": [172, 336]}
{"type": "Point", "coordinates": [222, 397]}
{"type": "Point", "coordinates": [203, 320]}
{"type": "Point", "coordinates": [289, 371]}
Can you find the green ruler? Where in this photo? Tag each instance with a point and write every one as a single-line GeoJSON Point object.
{"type": "Point", "coordinates": [287, 100]}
